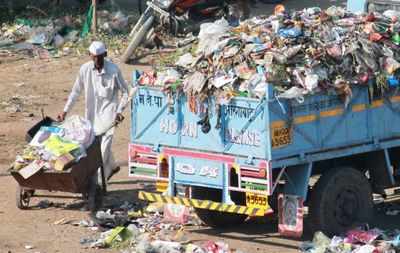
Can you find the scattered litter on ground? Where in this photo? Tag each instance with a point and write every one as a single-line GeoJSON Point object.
{"type": "Point", "coordinates": [355, 241]}
{"type": "Point", "coordinates": [29, 247]}
{"type": "Point", "coordinates": [54, 37]}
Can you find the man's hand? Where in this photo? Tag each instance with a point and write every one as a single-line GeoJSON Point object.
{"type": "Point", "coordinates": [119, 118]}
{"type": "Point", "coordinates": [61, 116]}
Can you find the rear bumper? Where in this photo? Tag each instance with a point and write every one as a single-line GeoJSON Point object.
{"type": "Point", "coordinates": [204, 204]}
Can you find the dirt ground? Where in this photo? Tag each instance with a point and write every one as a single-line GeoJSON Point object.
{"type": "Point", "coordinates": [45, 85]}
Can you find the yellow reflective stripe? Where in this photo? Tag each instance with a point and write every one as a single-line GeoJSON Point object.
{"type": "Point", "coordinates": [358, 108]}
{"type": "Point", "coordinates": [214, 206]}
{"type": "Point", "coordinates": [231, 209]}
{"type": "Point", "coordinates": [186, 202]}
{"type": "Point", "coordinates": [196, 203]}
{"type": "Point", "coordinates": [204, 204]}
{"type": "Point", "coordinates": [395, 99]}
{"type": "Point", "coordinates": [242, 210]}
{"type": "Point", "coordinates": [377, 103]}
{"type": "Point", "coordinates": [278, 124]}
{"type": "Point", "coordinates": [224, 208]}
{"type": "Point", "coordinates": [331, 113]}
{"type": "Point", "coordinates": [305, 119]}
{"type": "Point", "coordinates": [149, 197]}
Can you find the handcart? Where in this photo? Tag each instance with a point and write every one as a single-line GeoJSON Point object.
{"type": "Point", "coordinates": [80, 177]}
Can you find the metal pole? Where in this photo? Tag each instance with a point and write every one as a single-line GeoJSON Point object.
{"type": "Point", "coordinates": [94, 21]}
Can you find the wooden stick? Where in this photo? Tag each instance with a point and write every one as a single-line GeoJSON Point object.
{"type": "Point", "coordinates": [94, 17]}
{"type": "Point", "coordinates": [37, 9]}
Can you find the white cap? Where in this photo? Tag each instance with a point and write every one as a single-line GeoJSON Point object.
{"type": "Point", "coordinates": [97, 48]}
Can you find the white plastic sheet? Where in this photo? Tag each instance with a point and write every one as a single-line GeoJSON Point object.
{"type": "Point", "coordinates": [210, 34]}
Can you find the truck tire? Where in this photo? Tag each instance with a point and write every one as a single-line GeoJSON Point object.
{"type": "Point", "coordinates": [341, 199]}
{"type": "Point", "coordinates": [218, 219]}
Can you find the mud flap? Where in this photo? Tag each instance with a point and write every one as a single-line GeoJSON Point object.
{"type": "Point", "coordinates": [290, 208]}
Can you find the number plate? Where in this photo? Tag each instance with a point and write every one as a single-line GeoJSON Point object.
{"type": "Point", "coordinates": [256, 201]}
{"type": "Point", "coordinates": [281, 136]}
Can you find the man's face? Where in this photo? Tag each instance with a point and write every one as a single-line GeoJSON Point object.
{"type": "Point", "coordinates": [98, 60]}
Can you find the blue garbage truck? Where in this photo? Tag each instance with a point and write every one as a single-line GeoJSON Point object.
{"type": "Point", "coordinates": [269, 156]}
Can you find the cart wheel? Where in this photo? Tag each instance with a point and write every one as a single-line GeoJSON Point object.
{"type": "Point", "coordinates": [95, 197]}
{"type": "Point", "coordinates": [23, 196]}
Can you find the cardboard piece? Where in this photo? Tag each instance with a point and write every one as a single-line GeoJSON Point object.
{"type": "Point", "coordinates": [31, 169]}
{"type": "Point", "coordinates": [63, 161]}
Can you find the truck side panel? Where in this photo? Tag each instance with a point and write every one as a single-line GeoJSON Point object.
{"type": "Point", "coordinates": [321, 122]}
{"type": "Point", "coordinates": [154, 124]}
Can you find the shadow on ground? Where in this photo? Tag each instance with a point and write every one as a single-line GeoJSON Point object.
{"type": "Point", "coordinates": [264, 231]}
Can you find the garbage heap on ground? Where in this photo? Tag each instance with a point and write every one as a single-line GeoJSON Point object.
{"type": "Point", "coordinates": [299, 53]}
{"type": "Point", "coordinates": [46, 38]}
{"type": "Point", "coordinates": [55, 147]}
{"type": "Point", "coordinates": [131, 230]}
{"type": "Point", "coordinates": [355, 241]}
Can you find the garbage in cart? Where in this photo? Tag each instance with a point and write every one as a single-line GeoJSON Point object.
{"type": "Point", "coordinates": [300, 53]}
{"type": "Point", "coordinates": [55, 147]}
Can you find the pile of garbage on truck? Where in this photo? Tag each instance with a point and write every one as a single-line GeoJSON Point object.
{"type": "Point", "coordinates": [299, 53]}
{"type": "Point", "coordinates": [55, 147]}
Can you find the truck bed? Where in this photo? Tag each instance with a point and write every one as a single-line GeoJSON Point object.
{"type": "Point", "coordinates": [268, 129]}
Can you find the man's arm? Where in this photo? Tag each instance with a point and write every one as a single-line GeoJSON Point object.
{"type": "Point", "coordinates": [123, 87]}
{"type": "Point", "coordinates": [73, 96]}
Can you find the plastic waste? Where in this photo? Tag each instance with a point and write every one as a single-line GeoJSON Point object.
{"type": "Point", "coordinates": [294, 92]}
{"type": "Point", "coordinates": [216, 247]}
{"type": "Point", "coordinates": [396, 39]}
{"type": "Point", "coordinates": [392, 14]}
{"type": "Point", "coordinates": [194, 83]}
{"type": "Point", "coordinates": [108, 219]}
{"type": "Point", "coordinates": [112, 238]}
{"type": "Point", "coordinates": [185, 60]}
{"type": "Point", "coordinates": [365, 249]}
{"type": "Point", "coordinates": [155, 208]}
{"type": "Point", "coordinates": [134, 230]}
{"type": "Point", "coordinates": [58, 41]}
{"type": "Point", "coordinates": [390, 65]}
{"type": "Point", "coordinates": [167, 77]}
{"type": "Point", "coordinates": [354, 236]}
{"type": "Point", "coordinates": [166, 247]}
{"type": "Point", "coordinates": [311, 82]}
{"type": "Point", "coordinates": [192, 248]}
{"type": "Point", "coordinates": [396, 241]}
{"type": "Point", "coordinates": [79, 130]}
{"type": "Point", "coordinates": [221, 80]}
{"type": "Point", "coordinates": [290, 32]}
{"type": "Point", "coordinates": [176, 213]}
{"type": "Point", "coordinates": [335, 11]}
{"type": "Point", "coordinates": [321, 242]}
{"type": "Point", "coordinates": [256, 86]}
{"type": "Point", "coordinates": [393, 82]}
{"type": "Point", "coordinates": [209, 35]}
